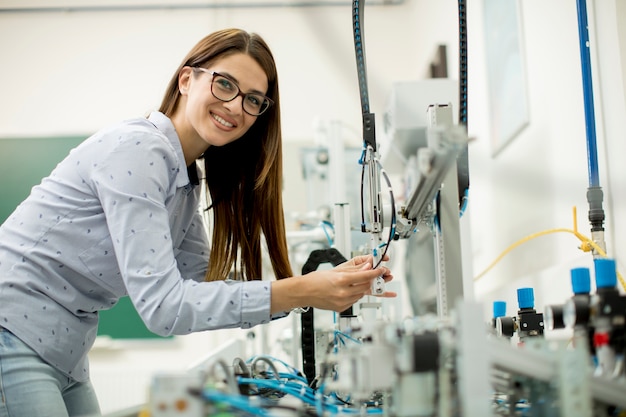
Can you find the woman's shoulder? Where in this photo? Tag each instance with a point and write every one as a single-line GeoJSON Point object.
{"type": "Point", "coordinates": [128, 142]}
{"type": "Point", "coordinates": [138, 133]}
{"type": "Point", "coordinates": [130, 129]}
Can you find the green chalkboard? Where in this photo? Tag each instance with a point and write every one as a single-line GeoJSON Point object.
{"type": "Point", "coordinates": [24, 162]}
{"type": "Point", "coordinates": [123, 322]}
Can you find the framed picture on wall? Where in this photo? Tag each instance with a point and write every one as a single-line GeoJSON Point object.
{"type": "Point", "coordinates": [506, 72]}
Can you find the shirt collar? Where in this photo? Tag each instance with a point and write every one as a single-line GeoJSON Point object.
{"type": "Point", "coordinates": [186, 175]}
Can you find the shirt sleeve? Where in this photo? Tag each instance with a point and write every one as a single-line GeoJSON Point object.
{"type": "Point", "coordinates": [134, 182]}
{"type": "Point", "coordinates": [192, 257]}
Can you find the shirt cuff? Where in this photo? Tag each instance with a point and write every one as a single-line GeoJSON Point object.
{"type": "Point", "coordinates": [279, 315]}
{"type": "Point", "coordinates": [255, 303]}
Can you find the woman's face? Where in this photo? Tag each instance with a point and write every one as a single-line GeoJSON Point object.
{"type": "Point", "coordinates": [204, 120]}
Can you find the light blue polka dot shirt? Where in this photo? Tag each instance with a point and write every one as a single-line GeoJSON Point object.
{"type": "Point", "coordinates": [118, 216]}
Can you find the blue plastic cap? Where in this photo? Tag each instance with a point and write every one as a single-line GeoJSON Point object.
{"type": "Point", "coordinates": [499, 309]}
{"type": "Point", "coordinates": [525, 298]}
{"type": "Point", "coordinates": [606, 273]}
{"type": "Point", "coordinates": [581, 280]}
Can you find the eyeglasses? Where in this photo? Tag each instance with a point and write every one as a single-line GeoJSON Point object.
{"type": "Point", "coordinates": [225, 89]}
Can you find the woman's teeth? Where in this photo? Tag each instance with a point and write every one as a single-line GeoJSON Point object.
{"type": "Point", "coordinates": [222, 121]}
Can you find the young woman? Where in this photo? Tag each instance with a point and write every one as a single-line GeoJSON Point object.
{"type": "Point", "coordinates": [120, 216]}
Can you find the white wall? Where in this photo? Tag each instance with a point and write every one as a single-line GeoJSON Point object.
{"type": "Point", "coordinates": [73, 72]}
{"type": "Point", "coordinates": [532, 185]}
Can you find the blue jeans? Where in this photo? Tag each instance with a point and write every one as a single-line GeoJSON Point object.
{"type": "Point", "coordinates": [30, 387]}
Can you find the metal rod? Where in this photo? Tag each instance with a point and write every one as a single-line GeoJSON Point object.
{"type": "Point", "coordinates": [189, 6]}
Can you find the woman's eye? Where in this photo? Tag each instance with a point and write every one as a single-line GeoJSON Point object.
{"type": "Point", "coordinates": [254, 100]}
{"type": "Point", "coordinates": [225, 84]}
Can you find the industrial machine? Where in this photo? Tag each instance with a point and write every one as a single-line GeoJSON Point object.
{"type": "Point", "coordinates": [448, 360]}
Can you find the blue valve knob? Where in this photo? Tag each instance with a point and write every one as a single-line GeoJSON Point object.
{"type": "Point", "coordinates": [581, 280]}
{"type": "Point", "coordinates": [606, 273]}
{"type": "Point", "coordinates": [499, 309]}
{"type": "Point", "coordinates": [525, 298]}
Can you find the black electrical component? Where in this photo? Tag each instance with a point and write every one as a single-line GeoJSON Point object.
{"type": "Point", "coordinates": [307, 323]}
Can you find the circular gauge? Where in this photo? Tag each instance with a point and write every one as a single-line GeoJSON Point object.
{"type": "Point", "coordinates": [505, 326]}
{"type": "Point", "coordinates": [553, 317]}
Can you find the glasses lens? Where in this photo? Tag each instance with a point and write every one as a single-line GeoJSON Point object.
{"type": "Point", "coordinates": [223, 88]}
{"type": "Point", "coordinates": [255, 104]}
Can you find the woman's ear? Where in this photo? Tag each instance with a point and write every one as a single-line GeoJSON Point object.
{"type": "Point", "coordinates": [184, 80]}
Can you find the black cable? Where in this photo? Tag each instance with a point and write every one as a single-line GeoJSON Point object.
{"type": "Point", "coordinates": [392, 225]}
{"type": "Point", "coordinates": [357, 26]}
{"type": "Point", "coordinates": [369, 130]}
{"type": "Point", "coordinates": [462, 64]}
{"type": "Point", "coordinates": [463, 158]}
{"type": "Point", "coordinates": [357, 30]}
{"type": "Point", "coordinates": [363, 229]}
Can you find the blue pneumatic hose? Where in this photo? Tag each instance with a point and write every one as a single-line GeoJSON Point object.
{"type": "Point", "coordinates": [590, 124]}
{"type": "Point", "coordinates": [594, 191]}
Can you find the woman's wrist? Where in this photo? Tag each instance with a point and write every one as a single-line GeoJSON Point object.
{"type": "Point", "coordinates": [287, 295]}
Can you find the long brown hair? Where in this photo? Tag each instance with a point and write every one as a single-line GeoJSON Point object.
{"type": "Point", "coordinates": [244, 177]}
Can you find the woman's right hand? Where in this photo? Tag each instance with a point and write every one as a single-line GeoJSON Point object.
{"type": "Point", "coordinates": [334, 289]}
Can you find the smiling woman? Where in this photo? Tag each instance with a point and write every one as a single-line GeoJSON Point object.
{"type": "Point", "coordinates": [120, 216]}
